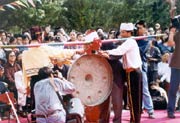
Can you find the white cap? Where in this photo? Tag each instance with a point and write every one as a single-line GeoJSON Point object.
{"type": "Point", "coordinates": [157, 25]}
{"type": "Point", "coordinates": [151, 29]}
{"type": "Point", "coordinates": [127, 26]}
{"type": "Point", "coordinates": [91, 36]}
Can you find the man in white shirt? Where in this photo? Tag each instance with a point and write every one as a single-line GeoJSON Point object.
{"type": "Point", "coordinates": [131, 63]}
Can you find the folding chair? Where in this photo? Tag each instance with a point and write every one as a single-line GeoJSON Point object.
{"type": "Point", "coordinates": [5, 105]}
{"type": "Point", "coordinates": [7, 100]}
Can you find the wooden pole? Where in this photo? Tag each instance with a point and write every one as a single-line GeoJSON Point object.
{"type": "Point", "coordinates": [77, 42]}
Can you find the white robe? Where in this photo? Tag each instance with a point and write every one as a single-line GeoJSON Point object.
{"type": "Point", "coordinates": [21, 88]}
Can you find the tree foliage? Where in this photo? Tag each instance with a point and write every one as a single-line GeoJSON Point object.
{"type": "Point", "coordinates": [84, 14]}
{"type": "Point", "coordinates": [2, 2]}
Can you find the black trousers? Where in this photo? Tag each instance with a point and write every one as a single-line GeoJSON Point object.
{"type": "Point", "coordinates": [134, 81]}
{"type": "Point", "coordinates": [119, 78]}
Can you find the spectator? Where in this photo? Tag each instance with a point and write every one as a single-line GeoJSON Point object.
{"type": "Point", "coordinates": [2, 77]}
{"type": "Point", "coordinates": [159, 96]}
{"type": "Point", "coordinates": [143, 47]}
{"type": "Point", "coordinates": [164, 72]}
{"type": "Point", "coordinates": [10, 68]}
{"type": "Point", "coordinates": [175, 70]}
{"type": "Point", "coordinates": [158, 28]}
{"type": "Point", "coordinates": [154, 57]}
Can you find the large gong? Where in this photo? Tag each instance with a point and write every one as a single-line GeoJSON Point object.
{"type": "Point", "coordinates": [92, 76]}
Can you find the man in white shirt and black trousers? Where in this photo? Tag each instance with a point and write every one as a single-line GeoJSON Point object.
{"type": "Point", "coordinates": [131, 63]}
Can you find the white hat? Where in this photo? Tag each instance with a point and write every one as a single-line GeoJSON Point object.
{"type": "Point", "coordinates": [157, 25]}
{"type": "Point", "coordinates": [127, 26]}
{"type": "Point", "coordinates": [151, 29]}
{"type": "Point", "coordinates": [91, 36]}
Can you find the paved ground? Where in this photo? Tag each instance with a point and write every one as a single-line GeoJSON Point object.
{"type": "Point", "coordinates": [161, 117]}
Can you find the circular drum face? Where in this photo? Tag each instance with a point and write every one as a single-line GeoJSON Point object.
{"type": "Point", "coordinates": [92, 76]}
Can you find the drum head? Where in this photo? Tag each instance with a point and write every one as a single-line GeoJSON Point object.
{"type": "Point", "coordinates": [92, 76]}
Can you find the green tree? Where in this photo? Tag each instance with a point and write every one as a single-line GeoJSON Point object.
{"type": "Point", "coordinates": [49, 12]}
{"type": "Point", "coordinates": [178, 7]}
{"type": "Point", "coordinates": [84, 14]}
{"type": "Point", "coordinates": [3, 2]}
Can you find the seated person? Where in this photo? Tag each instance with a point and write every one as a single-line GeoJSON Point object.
{"type": "Point", "coordinates": [2, 77]}
{"type": "Point", "coordinates": [4, 111]}
{"type": "Point", "coordinates": [2, 87]}
{"type": "Point", "coordinates": [159, 96]}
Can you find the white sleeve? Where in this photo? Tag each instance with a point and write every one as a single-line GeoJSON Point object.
{"type": "Point", "coordinates": [64, 86]}
{"type": "Point", "coordinates": [163, 77]}
{"type": "Point", "coordinates": [122, 49]}
{"type": "Point", "coordinates": [159, 69]}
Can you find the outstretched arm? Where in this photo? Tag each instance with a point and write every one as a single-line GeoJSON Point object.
{"type": "Point", "coordinates": [171, 37]}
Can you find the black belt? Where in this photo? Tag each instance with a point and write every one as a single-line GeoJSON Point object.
{"type": "Point", "coordinates": [40, 116]}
